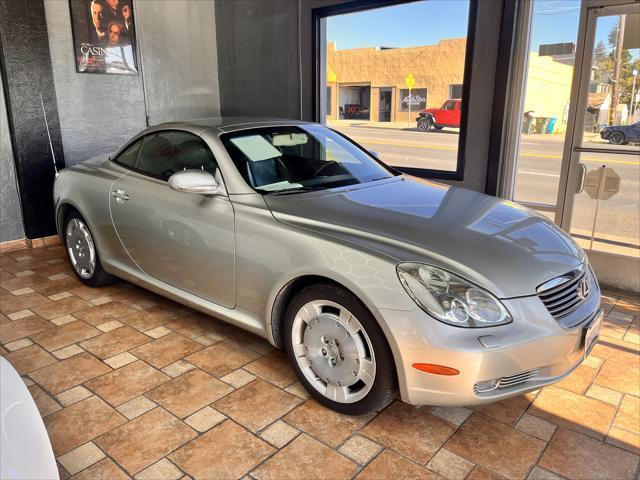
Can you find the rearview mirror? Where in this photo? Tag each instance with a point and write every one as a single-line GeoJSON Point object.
{"type": "Point", "coordinates": [194, 181]}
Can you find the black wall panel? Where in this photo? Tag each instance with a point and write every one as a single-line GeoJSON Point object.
{"type": "Point", "coordinates": [27, 74]}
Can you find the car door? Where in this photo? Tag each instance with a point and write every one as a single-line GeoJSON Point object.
{"type": "Point", "coordinates": [448, 112]}
{"type": "Point", "coordinates": [183, 239]}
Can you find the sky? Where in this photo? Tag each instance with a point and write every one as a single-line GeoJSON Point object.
{"type": "Point", "coordinates": [427, 22]}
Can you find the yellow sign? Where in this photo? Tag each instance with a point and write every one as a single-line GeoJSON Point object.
{"type": "Point", "coordinates": [410, 81]}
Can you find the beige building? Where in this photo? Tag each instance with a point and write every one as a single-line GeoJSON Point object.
{"type": "Point", "coordinates": [369, 83]}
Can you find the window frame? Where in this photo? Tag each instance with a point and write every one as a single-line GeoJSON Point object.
{"type": "Point", "coordinates": [320, 14]}
{"type": "Point", "coordinates": [142, 138]}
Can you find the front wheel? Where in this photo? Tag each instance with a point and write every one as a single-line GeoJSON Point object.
{"type": "Point", "coordinates": [338, 350]}
{"type": "Point", "coordinates": [616, 138]}
{"type": "Point", "coordinates": [425, 124]}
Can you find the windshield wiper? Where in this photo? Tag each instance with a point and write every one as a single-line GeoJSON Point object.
{"type": "Point", "coordinates": [289, 191]}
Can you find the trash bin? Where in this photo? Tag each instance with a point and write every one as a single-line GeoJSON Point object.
{"type": "Point", "coordinates": [528, 124]}
{"type": "Point", "coordinates": [551, 125]}
{"type": "Point", "coordinates": [541, 124]}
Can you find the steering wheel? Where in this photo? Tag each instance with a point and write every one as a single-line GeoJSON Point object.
{"type": "Point", "coordinates": [330, 163]}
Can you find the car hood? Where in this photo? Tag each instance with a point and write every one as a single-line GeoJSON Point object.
{"type": "Point", "coordinates": [499, 245]}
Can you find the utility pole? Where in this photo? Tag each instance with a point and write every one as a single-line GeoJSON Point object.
{"type": "Point", "coordinates": [633, 93]}
{"type": "Point", "coordinates": [615, 95]}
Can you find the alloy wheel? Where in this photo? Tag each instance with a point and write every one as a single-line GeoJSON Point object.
{"type": "Point", "coordinates": [82, 252]}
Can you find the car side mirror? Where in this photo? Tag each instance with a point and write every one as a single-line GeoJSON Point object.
{"type": "Point", "coordinates": [194, 181]}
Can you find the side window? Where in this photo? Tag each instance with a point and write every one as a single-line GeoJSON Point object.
{"type": "Point", "coordinates": [166, 153]}
{"type": "Point", "coordinates": [128, 157]}
{"type": "Point", "coordinates": [450, 106]}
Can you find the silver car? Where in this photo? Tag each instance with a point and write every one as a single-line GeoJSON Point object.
{"type": "Point", "coordinates": [371, 280]}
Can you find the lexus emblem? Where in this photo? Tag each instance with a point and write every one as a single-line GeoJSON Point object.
{"type": "Point", "coordinates": [583, 289]}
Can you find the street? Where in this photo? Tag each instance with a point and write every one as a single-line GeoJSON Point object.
{"type": "Point", "coordinates": [540, 157]}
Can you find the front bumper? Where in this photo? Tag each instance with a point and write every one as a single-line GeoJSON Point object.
{"type": "Point", "coordinates": [532, 351]}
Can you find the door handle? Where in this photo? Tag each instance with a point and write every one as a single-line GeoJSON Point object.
{"type": "Point", "coordinates": [582, 175]}
{"type": "Point", "coordinates": [120, 194]}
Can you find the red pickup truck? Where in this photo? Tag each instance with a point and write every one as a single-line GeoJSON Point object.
{"type": "Point", "coordinates": [446, 116]}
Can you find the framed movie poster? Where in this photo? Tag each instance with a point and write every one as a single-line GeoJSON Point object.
{"type": "Point", "coordinates": [104, 38]}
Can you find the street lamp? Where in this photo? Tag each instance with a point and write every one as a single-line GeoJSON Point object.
{"type": "Point", "coordinates": [634, 72]}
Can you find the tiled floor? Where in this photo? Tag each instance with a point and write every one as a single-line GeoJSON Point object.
{"type": "Point", "coordinates": [132, 385]}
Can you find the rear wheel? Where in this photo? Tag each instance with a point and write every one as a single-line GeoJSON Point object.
{"type": "Point", "coordinates": [338, 351]}
{"type": "Point", "coordinates": [82, 252]}
{"type": "Point", "coordinates": [617, 138]}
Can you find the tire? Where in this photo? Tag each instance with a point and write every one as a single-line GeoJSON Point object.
{"type": "Point", "coordinates": [338, 350]}
{"type": "Point", "coordinates": [82, 253]}
{"type": "Point", "coordinates": [616, 138]}
{"type": "Point", "coordinates": [425, 124]}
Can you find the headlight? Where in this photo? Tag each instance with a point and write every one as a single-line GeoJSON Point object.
{"type": "Point", "coordinates": [451, 299]}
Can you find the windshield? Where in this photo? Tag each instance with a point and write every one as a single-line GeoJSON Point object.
{"type": "Point", "coordinates": [299, 158]}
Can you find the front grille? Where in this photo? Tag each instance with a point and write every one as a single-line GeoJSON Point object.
{"type": "Point", "coordinates": [518, 378]}
{"type": "Point", "coordinates": [564, 294]}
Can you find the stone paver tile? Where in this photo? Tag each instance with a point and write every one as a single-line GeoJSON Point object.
{"type": "Point", "coordinates": [114, 342]}
{"type": "Point", "coordinates": [274, 368]}
{"type": "Point", "coordinates": [577, 457]}
{"type": "Point", "coordinates": [136, 407]}
{"type": "Point", "coordinates": [60, 308]}
{"type": "Point", "coordinates": [68, 373]}
{"type": "Point", "coordinates": [73, 395]}
{"type": "Point", "coordinates": [60, 337]}
{"type": "Point", "coordinates": [18, 344]}
{"type": "Point", "coordinates": [223, 357]}
{"type": "Point", "coordinates": [604, 394]}
{"type": "Point", "coordinates": [625, 317]}
{"type": "Point", "coordinates": [279, 433]}
{"type": "Point", "coordinates": [21, 291]}
{"type": "Point", "coordinates": [101, 300]}
{"type": "Point", "coordinates": [541, 474]}
{"type": "Point", "coordinates": [536, 427]}
{"type": "Point", "coordinates": [480, 473]}
{"type": "Point", "coordinates": [579, 380]}
{"type": "Point", "coordinates": [592, 361]}
{"type": "Point", "coordinates": [166, 350]}
{"type": "Point", "coordinates": [298, 390]}
{"type": "Point", "coordinates": [130, 446]}
{"type": "Point", "coordinates": [450, 465]}
{"type": "Point", "coordinates": [79, 423]}
{"type": "Point", "coordinates": [27, 381]}
{"type": "Point", "coordinates": [63, 320]}
{"type": "Point", "coordinates": [238, 378]}
{"type": "Point", "coordinates": [10, 304]}
{"type": "Point", "coordinates": [204, 419]}
{"type": "Point", "coordinates": [161, 470]}
{"type": "Point", "coordinates": [506, 411]}
{"type": "Point", "coordinates": [495, 446]}
{"type": "Point", "coordinates": [126, 383]}
{"type": "Point", "coordinates": [582, 414]}
{"type": "Point", "coordinates": [177, 368]}
{"type": "Point", "coordinates": [324, 424]}
{"type": "Point", "coordinates": [98, 314]}
{"type": "Point", "coordinates": [158, 332]}
{"type": "Point", "coordinates": [409, 430]}
{"type": "Point", "coordinates": [20, 314]}
{"type": "Point", "coordinates": [109, 326]}
{"type": "Point", "coordinates": [389, 464]}
{"type": "Point", "coordinates": [67, 352]}
{"type": "Point", "coordinates": [105, 469]}
{"type": "Point", "coordinates": [59, 296]}
{"type": "Point", "coordinates": [257, 404]}
{"type": "Point", "coordinates": [625, 439]}
{"type": "Point", "coordinates": [120, 360]}
{"type": "Point", "coordinates": [148, 319]}
{"type": "Point", "coordinates": [623, 376]}
{"type": "Point", "coordinates": [189, 392]}
{"type": "Point", "coordinates": [454, 415]}
{"type": "Point", "coordinates": [196, 325]}
{"type": "Point", "coordinates": [306, 457]}
{"type": "Point", "coordinates": [22, 327]}
{"type": "Point", "coordinates": [628, 416]}
{"type": "Point", "coordinates": [28, 359]}
{"type": "Point", "coordinates": [80, 458]}
{"type": "Point", "coordinates": [44, 402]}
{"type": "Point", "coordinates": [360, 449]}
{"type": "Point", "coordinates": [225, 451]}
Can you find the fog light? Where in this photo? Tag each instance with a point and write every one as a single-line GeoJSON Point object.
{"type": "Point", "coordinates": [435, 369]}
{"type": "Point", "coordinates": [486, 386]}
